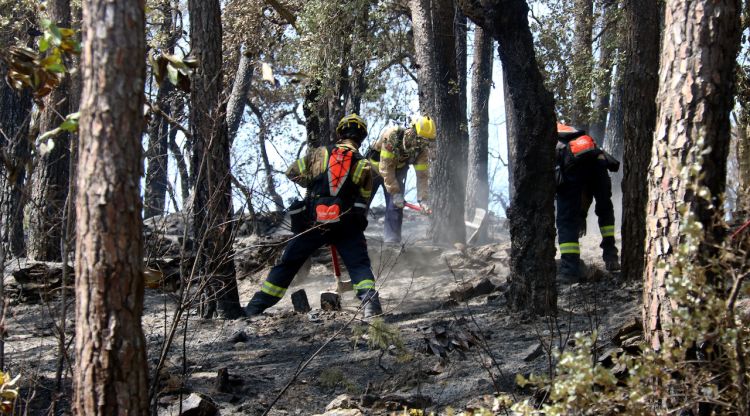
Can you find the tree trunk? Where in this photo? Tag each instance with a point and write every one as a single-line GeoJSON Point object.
{"type": "Point", "coordinates": [270, 185]}
{"type": "Point", "coordinates": [177, 107]}
{"type": "Point", "coordinates": [14, 130]}
{"type": "Point", "coordinates": [532, 219]}
{"type": "Point", "coordinates": [157, 156]}
{"type": "Point", "coordinates": [111, 372]}
{"type": "Point", "coordinates": [694, 100]}
{"type": "Point", "coordinates": [639, 85]}
{"type": "Point", "coordinates": [615, 132]}
{"type": "Point", "coordinates": [435, 43]}
{"type": "Point", "coordinates": [50, 179]}
{"type": "Point", "coordinates": [212, 195]}
{"type": "Point", "coordinates": [742, 206]}
{"type": "Point", "coordinates": [238, 97]}
{"type": "Point", "coordinates": [581, 65]}
{"type": "Point", "coordinates": [477, 184]}
{"type": "Point", "coordinates": [603, 87]}
{"type": "Point", "coordinates": [509, 135]}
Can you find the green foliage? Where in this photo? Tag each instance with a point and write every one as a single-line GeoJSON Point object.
{"type": "Point", "coordinates": [703, 360]}
{"type": "Point", "coordinates": [42, 70]}
{"type": "Point", "coordinates": [331, 378]}
{"type": "Point", "coordinates": [383, 337]}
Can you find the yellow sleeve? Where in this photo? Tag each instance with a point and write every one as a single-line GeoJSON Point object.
{"type": "Point", "coordinates": [299, 171]}
{"type": "Point", "coordinates": [388, 164]}
{"type": "Point", "coordinates": [362, 177]}
{"type": "Point", "coordinates": [422, 168]}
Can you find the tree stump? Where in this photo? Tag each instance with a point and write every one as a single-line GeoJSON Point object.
{"type": "Point", "coordinates": [299, 300]}
{"type": "Point", "coordinates": [330, 301]}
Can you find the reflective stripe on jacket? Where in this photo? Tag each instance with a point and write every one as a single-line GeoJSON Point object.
{"type": "Point", "coordinates": [393, 156]}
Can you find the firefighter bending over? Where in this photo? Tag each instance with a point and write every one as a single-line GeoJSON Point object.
{"type": "Point", "coordinates": [339, 184]}
{"type": "Point", "coordinates": [392, 153]}
{"type": "Point", "coordinates": [581, 173]}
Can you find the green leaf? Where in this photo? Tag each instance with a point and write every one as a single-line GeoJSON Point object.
{"type": "Point", "coordinates": [71, 122]}
{"type": "Point", "coordinates": [57, 68]}
{"type": "Point", "coordinates": [43, 44]}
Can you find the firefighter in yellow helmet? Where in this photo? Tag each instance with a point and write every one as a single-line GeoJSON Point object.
{"type": "Point", "coordinates": [391, 155]}
{"type": "Point", "coordinates": [338, 181]}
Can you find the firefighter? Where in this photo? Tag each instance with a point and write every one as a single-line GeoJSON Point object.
{"type": "Point", "coordinates": [338, 181]}
{"type": "Point", "coordinates": [392, 153]}
{"type": "Point", "coordinates": [582, 170]}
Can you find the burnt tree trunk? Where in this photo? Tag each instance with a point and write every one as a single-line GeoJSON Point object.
{"type": "Point", "coordinates": [695, 97]}
{"type": "Point", "coordinates": [532, 222]}
{"type": "Point", "coordinates": [581, 65]}
{"type": "Point", "coordinates": [177, 106]}
{"type": "Point", "coordinates": [435, 41]}
{"type": "Point", "coordinates": [110, 349]}
{"type": "Point", "coordinates": [477, 184]}
{"type": "Point", "coordinates": [615, 131]}
{"type": "Point", "coordinates": [509, 135]}
{"type": "Point", "coordinates": [238, 97]}
{"type": "Point", "coordinates": [639, 86]}
{"type": "Point", "coordinates": [603, 87]}
{"type": "Point", "coordinates": [212, 196]}
{"type": "Point", "coordinates": [50, 179]}
{"type": "Point", "coordinates": [14, 130]}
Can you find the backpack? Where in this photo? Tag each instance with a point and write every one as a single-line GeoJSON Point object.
{"type": "Point", "coordinates": [332, 200]}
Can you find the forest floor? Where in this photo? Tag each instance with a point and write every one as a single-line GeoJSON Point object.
{"type": "Point", "coordinates": [446, 352]}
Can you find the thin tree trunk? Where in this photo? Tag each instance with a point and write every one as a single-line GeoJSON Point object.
{"type": "Point", "coordinates": [49, 183]}
{"type": "Point", "coordinates": [581, 65]}
{"type": "Point", "coordinates": [742, 206]}
{"type": "Point", "coordinates": [111, 372]}
{"type": "Point", "coordinates": [510, 132]}
{"type": "Point", "coordinates": [270, 185]}
{"type": "Point", "coordinates": [14, 128]}
{"type": "Point", "coordinates": [639, 85]}
{"type": "Point", "coordinates": [477, 185]}
{"type": "Point", "coordinates": [532, 264]}
{"type": "Point", "coordinates": [238, 97]}
{"type": "Point", "coordinates": [614, 134]}
{"type": "Point", "coordinates": [185, 180]}
{"type": "Point", "coordinates": [694, 100]}
{"type": "Point", "coordinates": [157, 157]}
{"type": "Point", "coordinates": [212, 197]}
{"type": "Point", "coordinates": [603, 87]}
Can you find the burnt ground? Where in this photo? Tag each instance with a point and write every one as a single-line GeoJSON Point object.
{"type": "Point", "coordinates": [446, 351]}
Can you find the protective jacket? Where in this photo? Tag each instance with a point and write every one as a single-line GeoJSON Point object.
{"type": "Point", "coordinates": [338, 182]}
{"type": "Point", "coordinates": [396, 148]}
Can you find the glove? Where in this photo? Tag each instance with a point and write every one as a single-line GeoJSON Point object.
{"type": "Point", "coordinates": [425, 207]}
{"type": "Point", "coordinates": [398, 201]}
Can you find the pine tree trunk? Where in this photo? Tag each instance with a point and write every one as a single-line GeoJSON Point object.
{"type": "Point", "coordinates": [509, 135]}
{"type": "Point", "coordinates": [603, 88]}
{"type": "Point", "coordinates": [14, 124]}
{"type": "Point", "coordinates": [50, 179]}
{"type": "Point", "coordinates": [212, 197]}
{"type": "Point", "coordinates": [155, 195]}
{"type": "Point", "coordinates": [614, 134]}
{"type": "Point", "coordinates": [435, 43]}
{"type": "Point", "coordinates": [694, 100]}
{"type": "Point", "coordinates": [238, 97]}
{"type": "Point", "coordinates": [743, 171]}
{"type": "Point", "coordinates": [532, 223]}
{"type": "Point", "coordinates": [639, 86]}
{"type": "Point", "coordinates": [110, 355]}
{"type": "Point", "coordinates": [581, 64]}
{"type": "Point", "coordinates": [477, 185]}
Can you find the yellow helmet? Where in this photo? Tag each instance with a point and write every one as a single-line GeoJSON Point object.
{"type": "Point", "coordinates": [425, 127]}
{"type": "Point", "coordinates": [352, 126]}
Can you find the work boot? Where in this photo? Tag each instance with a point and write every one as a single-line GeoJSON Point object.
{"type": "Point", "coordinates": [371, 303]}
{"type": "Point", "coordinates": [610, 256]}
{"type": "Point", "coordinates": [258, 304]}
{"type": "Point", "coordinates": [569, 271]}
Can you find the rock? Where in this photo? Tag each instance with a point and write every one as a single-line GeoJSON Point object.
{"type": "Point", "coordinates": [468, 291]}
{"type": "Point", "coordinates": [398, 402]}
{"type": "Point", "coordinates": [343, 401]}
{"type": "Point", "coordinates": [239, 336]}
{"type": "Point", "coordinates": [221, 384]}
{"type": "Point", "coordinates": [299, 300]}
{"type": "Point", "coordinates": [480, 403]}
{"type": "Point", "coordinates": [533, 352]}
{"type": "Point", "coordinates": [342, 412]}
{"type": "Point", "coordinates": [628, 330]}
{"type": "Point", "coordinates": [330, 301]}
{"type": "Point", "coordinates": [607, 358]}
{"type": "Point", "coordinates": [195, 405]}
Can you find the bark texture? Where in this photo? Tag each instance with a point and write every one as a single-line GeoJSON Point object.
{"type": "Point", "coordinates": [477, 184]}
{"type": "Point", "coordinates": [603, 87]}
{"type": "Point", "coordinates": [212, 195]}
{"type": "Point", "coordinates": [14, 130]}
{"type": "Point", "coordinates": [238, 97]}
{"type": "Point", "coordinates": [110, 355]}
{"type": "Point", "coordinates": [639, 85]}
{"type": "Point", "coordinates": [700, 44]}
{"type": "Point", "coordinates": [440, 97]}
{"type": "Point", "coordinates": [532, 225]}
{"type": "Point", "coordinates": [581, 65]}
{"type": "Point", "coordinates": [50, 179]}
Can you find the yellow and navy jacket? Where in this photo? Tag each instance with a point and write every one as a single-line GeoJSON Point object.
{"type": "Point", "coordinates": [305, 169]}
{"type": "Point", "coordinates": [396, 148]}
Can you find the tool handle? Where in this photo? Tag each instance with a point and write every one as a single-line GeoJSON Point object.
{"type": "Point", "coordinates": [416, 207]}
{"type": "Point", "coordinates": [335, 258]}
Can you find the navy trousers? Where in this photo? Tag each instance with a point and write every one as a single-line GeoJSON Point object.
{"type": "Point", "coordinates": [589, 177]}
{"type": "Point", "coordinates": [351, 244]}
{"type": "Point", "coordinates": [394, 217]}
